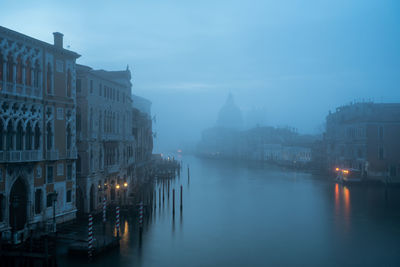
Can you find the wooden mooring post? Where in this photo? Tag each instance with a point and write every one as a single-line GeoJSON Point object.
{"type": "Point", "coordinates": [173, 202]}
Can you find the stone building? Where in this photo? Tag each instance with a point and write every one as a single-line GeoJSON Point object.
{"type": "Point", "coordinates": [143, 134]}
{"type": "Point", "coordinates": [105, 139]}
{"type": "Point", "coordinates": [37, 133]}
{"type": "Point", "coordinates": [365, 136]}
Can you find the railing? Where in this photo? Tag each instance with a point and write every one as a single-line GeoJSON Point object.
{"type": "Point", "coordinates": [112, 168]}
{"type": "Point", "coordinates": [20, 156]}
{"type": "Point", "coordinates": [71, 153]}
{"type": "Point", "coordinates": [20, 90]}
{"type": "Point", "coordinates": [52, 154]}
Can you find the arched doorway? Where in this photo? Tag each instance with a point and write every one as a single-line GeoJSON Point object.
{"type": "Point", "coordinates": [18, 203]}
{"type": "Point", "coordinates": [91, 199]}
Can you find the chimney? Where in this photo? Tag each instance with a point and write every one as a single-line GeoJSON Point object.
{"type": "Point", "coordinates": [58, 39]}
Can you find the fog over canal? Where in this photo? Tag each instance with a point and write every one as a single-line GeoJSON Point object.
{"type": "Point", "coordinates": [236, 214]}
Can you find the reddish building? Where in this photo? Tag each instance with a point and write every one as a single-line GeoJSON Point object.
{"type": "Point", "coordinates": [365, 136]}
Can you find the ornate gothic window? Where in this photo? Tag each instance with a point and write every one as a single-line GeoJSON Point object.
{"type": "Point", "coordinates": [10, 69]}
{"type": "Point", "coordinates": [28, 74]}
{"type": "Point", "coordinates": [36, 75]}
{"type": "Point", "coordinates": [19, 70]}
{"type": "Point", "coordinates": [49, 79]}
{"type": "Point", "coordinates": [20, 135]}
{"type": "Point", "coordinates": [28, 137]}
{"type": "Point", "coordinates": [10, 136]}
{"type": "Point", "coordinates": [37, 137]}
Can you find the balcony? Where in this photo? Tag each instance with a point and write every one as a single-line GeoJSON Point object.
{"type": "Point", "coordinates": [21, 156]}
{"type": "Point", "coordinates": [112, 168]}
{"type": "Point", "coordinates": [71, 154]}
{"type": "Point", "coordinates": [20, 90]}
{"type": "Point", "coordinates": [52, 154]}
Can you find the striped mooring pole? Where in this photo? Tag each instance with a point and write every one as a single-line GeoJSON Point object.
{"type": "Point", "coordinates": [141, 214]}
{"type": "Point", "coordinates": [90, 236]}
{"type": "Point", "coordinates": [117, 221]}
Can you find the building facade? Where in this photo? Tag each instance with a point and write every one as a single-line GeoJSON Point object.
{"type": "Point", "coordinates": [365, 136]}
{"type": "Point", "coordinates": [143, 136]}
{"type": "Point", "coordinates": [37, 133]}
{"type": "Point", "coordinates": [105, 139]}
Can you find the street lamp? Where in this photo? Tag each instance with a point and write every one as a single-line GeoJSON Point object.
{"type": "Point", "coordinates": [125, 188]}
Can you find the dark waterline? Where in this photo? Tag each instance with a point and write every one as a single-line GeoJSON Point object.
{"type": "Point", "coordinates": [248, 215]}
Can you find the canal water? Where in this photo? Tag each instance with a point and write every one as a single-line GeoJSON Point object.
{"type": "Point", "coordinates": [237, 214]}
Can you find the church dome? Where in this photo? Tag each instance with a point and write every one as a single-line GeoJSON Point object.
{"type": "Point", "coordinates": [230, 115]}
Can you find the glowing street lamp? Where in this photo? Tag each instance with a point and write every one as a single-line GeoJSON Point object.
{"type": "Point", "coordinates": [117, 186]}
{"type": "Point", "coordinates": [125, 184]}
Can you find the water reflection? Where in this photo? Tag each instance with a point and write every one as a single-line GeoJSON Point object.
{"type": "Point", "coordinates": [342, 211]}
{"type": "Point", "coordinates": [243, 216]}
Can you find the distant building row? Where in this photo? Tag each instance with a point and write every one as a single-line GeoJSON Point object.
{"type": "Point", "coordinates": [362, 136]}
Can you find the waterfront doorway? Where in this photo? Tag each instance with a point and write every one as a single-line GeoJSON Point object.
{"type": "Point", "coordinates": [18, 205]}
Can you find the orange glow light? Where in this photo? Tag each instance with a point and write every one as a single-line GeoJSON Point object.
{"type": "Point", "coordinates": [117, 186]}
{"type": "Point", "coordinates": [337, 169]}
{"type": "Point", "coordinates": [346, 171]}
{"type": "Point", "coordinates": [125, 184]}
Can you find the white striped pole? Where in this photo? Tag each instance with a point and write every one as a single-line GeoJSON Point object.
{"type": "Point", "coordinates": [141, 214]}
{"type": "Point", "coordinates": [90, 236]}
{"type": "Point", "coordinates": [117, 221]}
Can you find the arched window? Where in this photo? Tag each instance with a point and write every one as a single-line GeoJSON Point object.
{"type": "Point", "coordinates": [91, 120]}
{"type": "Point", "coordinates": [69, 83]}
{"type": "Point", "coordinates": [49, 137]}
{"type": "Point", "coordinates": [10, 136]}
{"type": "Point", "coordinates": [10, 69]}
{"type": "Point", "coordinates": [36, 75]}
{"type": "Point", "coordinates": [37, 137]}
{"type": "Point", "coordinates": [28, 137]}
{"type": "Point", "coordinates": [78, 119]}
{"type": "Point", "coordinates": [49, 79]}
{"type": "Point", "coordinates": [20, 135]}
{"type": "Point", "coordinates": [19, 70]}
{"type": "Point", "coordinates": [28, 76]}
{"type": "Point", "coordinates": [68, 137]}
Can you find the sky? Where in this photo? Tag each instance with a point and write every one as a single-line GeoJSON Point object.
{"type": "Point", "coordinates": [291, 60]}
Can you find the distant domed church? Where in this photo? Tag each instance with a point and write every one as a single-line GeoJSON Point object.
{"type": "Point", "coordinates": [230, 115]}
